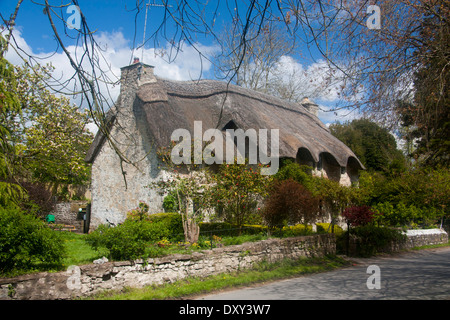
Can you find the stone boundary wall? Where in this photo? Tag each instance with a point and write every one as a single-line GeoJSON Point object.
{"type": "Point", "coordinates": [81, 281]}
{"type": "Point", "coordinates": [414, 238]}
{"type": "Point", "coordinates": [418, 238]}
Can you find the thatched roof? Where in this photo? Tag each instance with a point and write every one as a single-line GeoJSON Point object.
{"type": "Point", "coordinates": [168, 105]}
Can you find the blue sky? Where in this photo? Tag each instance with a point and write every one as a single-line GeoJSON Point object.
{"type": "Point", "coordinates": [114, 28]}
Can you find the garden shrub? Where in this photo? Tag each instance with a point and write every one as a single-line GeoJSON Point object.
{"type": "Point", "coordinates": [130, 240]}
{"type": "Point", "coordinates": [172, 222]}
{"type": "Point", "coordinates": [296, 230]}
{"type": "Point", "coordinates": [358, 215]}
{"type": "Point", "coordinates": [27, 243]}
{"type": "Point", "coordinates": [327, 227]}
{"type": "Point", "coordinates": [289, 202]}
{"type": "Point", "coordinates": [227, 229]}
{"type": "Point", "coordinates": [369, 240]}
{"type": "Point", "coordinates": [170, 203]}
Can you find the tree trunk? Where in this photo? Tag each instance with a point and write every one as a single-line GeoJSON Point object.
{"type": "Point", "coordinates": [191, 231]}
{"type": "Point", "coordinates": [190, 226]}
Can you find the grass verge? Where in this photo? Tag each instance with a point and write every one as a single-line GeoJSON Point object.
{"type": "Point", "coordinates": [262, 272]}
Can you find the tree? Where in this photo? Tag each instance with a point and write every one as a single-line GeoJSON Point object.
{"type": "Point", "coordinates": [235, 191]}
{"type": "Point", "coordinates": [49, 134]}
{"type": "Point", "coordinates": [253, 64]}
{"type": "Point", "coordinates": [292, 170]}
{"type": "Point", "coordinates": [358, 216]}
{"type": "Point", "coordinates": [334, 198]}
{"type": "Point", "coordinates": [374, 146]}
{"type": "Point", "coordinates": [188, 183]}
{"type": "Point", "coordinates": [11, 193]}
{"type": "Point", "coordinates": [57, 143]}
{"type": "Point", "coordinates": [44, 138]}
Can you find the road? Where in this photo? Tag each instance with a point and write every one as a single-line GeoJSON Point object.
{"type": "Point", "coordinates": [423, 275]}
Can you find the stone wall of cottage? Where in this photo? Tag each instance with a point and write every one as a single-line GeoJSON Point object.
{"type": "Point", "coordinates": [80, 281]}
{"type": "Point", "coordinates": [117, 185]}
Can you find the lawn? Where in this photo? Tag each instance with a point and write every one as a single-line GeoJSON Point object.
{"type": "Point", "coordinates": [78, 251]}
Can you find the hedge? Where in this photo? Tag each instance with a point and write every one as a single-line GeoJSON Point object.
{"type": "Point", "coordinates": [231, 230]}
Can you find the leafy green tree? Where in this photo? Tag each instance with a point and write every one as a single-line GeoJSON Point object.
{"type": "Point", "coordinates": [187, 185]}
{"type": "Point", "coordinates": [56, 145]}
{"type": "Point", "coordinates": [430, 114]}
{"type": "Point", "coordinates": [334, 197]}
{"type": "Point", "coordinates": [373, 145]}
{"type": "Point", "coordinates": [48, 136]}
{"type": "Point", "coordinates": [296, 172]}
{"type": "Point", "coordinates": [10, 191]}
{"type": "Point", "coordinates": [419, 196]}
{"type": "Point", "coordinates": [235, 190]}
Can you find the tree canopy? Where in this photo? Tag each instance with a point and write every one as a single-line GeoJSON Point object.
{"type": "Point", "coordinates": [375, 147]}
{"type": "Point", "coordinates": [44, 138]}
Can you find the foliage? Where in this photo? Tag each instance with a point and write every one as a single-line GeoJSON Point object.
{"type": "Point", "coordinates": [189, 191]}
{"type": "Point", "coordinates": [296, 230]}
{"type": "Point", "coordinates": [235, 191]}
{"type": "Point", "coordinates": [140, 213]}
{"type": "Point", "coordinates": [39, 200]}
{"type": "Point", "coordinates": [10, 192]}
{"type": "Point", "coordinates": [358, 216]}
{"type": "Point", "coordinates": [187, 186]}
{"type": "Point", "coordinates": [27, 243]}
{"type": "Point", "coordinates": [43, 137]}
{"type": "Point", "coordinates": [415, 197]}
{"type": "Point", "coordinates": [334, 196]}
{"type": "Point", "coordinates": [227, 229]}
{"type": "Point", "coordinates": [402, 215]}
{"type": "Point", "coordinates": [172, 222]}
{"type": "Point", "coordinates": [328, 227]}
{"type": "Point", "coordinates": [170, 203]}
{"type": "Point", "coordinates": [370, 240]}
{"type": "Point", "coordinates": [141, 235]}
{"type": "Point", "coordinates": [131, 240]}
{"type": "Point", "coordinates": [374, 146]}
{"type": "Point", "coordinates": [289, 203]}
{"type": "Point", "coordinates": [426, 118]}
{"type": "Point", "coordinates": [296, 172]}
{"type": "Point", "coordinates": [57, 143]}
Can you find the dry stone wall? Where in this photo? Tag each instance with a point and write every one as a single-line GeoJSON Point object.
{"type": "Point", "coordinates": [79, 281]}
{"type": "Point", "coordinates": [418, 238]}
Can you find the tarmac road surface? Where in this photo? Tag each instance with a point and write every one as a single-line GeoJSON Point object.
{"type": "Point", "coordinates": [423, 274]}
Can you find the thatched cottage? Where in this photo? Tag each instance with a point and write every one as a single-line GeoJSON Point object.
{"type": "Point", "coordinates": [150, 108]}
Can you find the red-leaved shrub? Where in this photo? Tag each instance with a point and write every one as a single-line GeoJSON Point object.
{"type": "Point", "coordinates": [290, 202]}
{"type": "Point", "coordinates": [358, 216]}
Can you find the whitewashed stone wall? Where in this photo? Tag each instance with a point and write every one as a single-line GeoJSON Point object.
{"type": "Point", "coordinates": [418, 238]}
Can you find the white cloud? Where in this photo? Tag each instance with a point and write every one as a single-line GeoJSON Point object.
{"type": "Point", "coordinates": [320, 82]}
{"type": "Point", "coordinates": [115, 54]}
